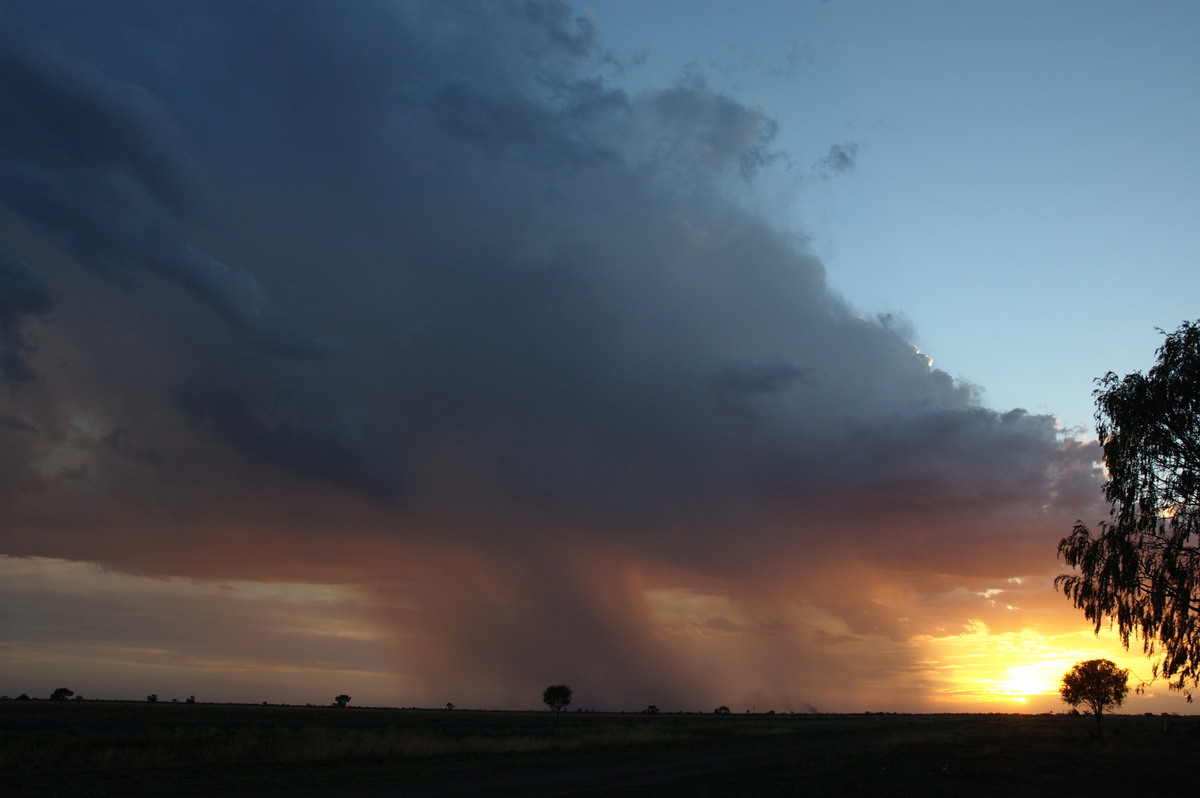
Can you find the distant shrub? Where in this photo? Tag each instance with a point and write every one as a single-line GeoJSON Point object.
{"type": "Point", "coordinates": [556, 697]}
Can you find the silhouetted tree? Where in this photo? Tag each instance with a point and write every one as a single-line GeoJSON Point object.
{"type": "Point", "coordinates": [152, 698]}
{"type": "Point", "coordinates": [1141, 570]}
{"type": "Point", "coordinates": [23, 697]}
{"type": "Point", "coordinates": [342, 700]}
{"type": "Point", "coordinates": [190, 699]}
{"type": "Point", "coordinates": [1097, 684]}
{"type": "Point", "coordinates": [556, 696]}
{"type": "Point", "coordinates": [61, 694]}
{"type": "Point", "coordinates": [721, 710]}
{"type": "Point", "coordinates": [650, 710]}
{"type": "Point", "coordinates": [449, 705]}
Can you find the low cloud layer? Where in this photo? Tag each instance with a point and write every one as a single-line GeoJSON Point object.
{"type": "Point", "coordinates": [415, 298]}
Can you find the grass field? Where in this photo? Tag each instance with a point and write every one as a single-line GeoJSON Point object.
{"type": "Point", "coordinates": [112, 748]}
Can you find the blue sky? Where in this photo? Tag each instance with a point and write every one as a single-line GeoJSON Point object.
{"type": "Point", "coordinates": [1026, 184]}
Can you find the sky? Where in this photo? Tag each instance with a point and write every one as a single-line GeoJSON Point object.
{"type": "Point", "coordinates": [688, 353]}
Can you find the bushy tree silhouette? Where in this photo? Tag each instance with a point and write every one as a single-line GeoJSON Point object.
{"type": "Point", "coordinates": [556, 696]}
{"type": "Point", "coordinates": [61, 694]}
{"type": "Point", "coordinates": [342, 700]}
{"type": "Point", "coordinates": [1097, 684]}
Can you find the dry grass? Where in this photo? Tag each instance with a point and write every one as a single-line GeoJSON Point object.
{"type": "Point", "coordinates": [95, 748]}
{"type": "Point", "coordinates": [109, 737]}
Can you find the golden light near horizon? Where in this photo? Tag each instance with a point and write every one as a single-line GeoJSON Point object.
{"type": "Point", "coordinates": [1018, 670]}
{"type": "Point", "coordinates": [1022, 682]}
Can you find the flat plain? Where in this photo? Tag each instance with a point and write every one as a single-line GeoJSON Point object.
{"type": "Point", "coordinates": [98, 748]}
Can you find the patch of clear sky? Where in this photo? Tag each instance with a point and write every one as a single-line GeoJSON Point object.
{"type": "Point", "coordinates": [1026, 182]}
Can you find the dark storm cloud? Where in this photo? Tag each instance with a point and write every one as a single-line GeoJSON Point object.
{"type": "Point", "coordinates": [63, 115]}
{"type": "Point", "coordinates": [120, 439]}
{"type": "Point", "coordinates": [24, 291]}
{"type": "Point", "coordinates": [444, 289]}
{"type": "Point", "coordinates": [14, 423]}
{"type": "Point", "coordinates": [734, 385]}
{"type": "Point", "coordinates": [100, 165]}
{"type": "Point", "coordinates": [268, 437]}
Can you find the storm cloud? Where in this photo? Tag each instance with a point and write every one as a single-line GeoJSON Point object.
{"type": "Point", "coordinates": [23, 292]}
{"type": "Point", "coordinates": [413, 296]}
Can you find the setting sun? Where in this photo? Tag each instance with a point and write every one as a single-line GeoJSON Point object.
{"type": "Point", "coordinates": [1041, 678]}
{"type": "Point", "coordinates": [983, 668]}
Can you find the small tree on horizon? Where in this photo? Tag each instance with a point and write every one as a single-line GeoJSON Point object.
{"type": "Point", "coordinates": [1096, 683]}
{"type": "Point", "coordinates": [556, 696]}
{"type": "Point", "coordinates": [342, 700]}
{"type": "Point", "coordinates": [61, 694]}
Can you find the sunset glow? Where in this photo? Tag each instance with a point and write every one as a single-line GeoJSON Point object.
{"type": "Point", "coordinates": [1026, 667]}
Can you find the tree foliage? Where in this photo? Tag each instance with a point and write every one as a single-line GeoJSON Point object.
{"type": "Point", "coordinates": [61, 694]}
{"type": "Point", "coordinates": [1140, 570]}
{"type": "Point", "coordinates": [556, 696]}
{"type": "Point", "coordinates": [1097, 684]}
{"type": "Point", "coordinates": [342, 700]}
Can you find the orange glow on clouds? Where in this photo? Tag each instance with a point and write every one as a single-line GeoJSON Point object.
{"type": "Point", "coordinates": [1018, 671]}
{"type": "Point", "coordinates": [80, 625]}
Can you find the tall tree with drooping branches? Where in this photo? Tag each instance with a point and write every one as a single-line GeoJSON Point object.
{"type": "Point", "coordinates": [1140, 570]}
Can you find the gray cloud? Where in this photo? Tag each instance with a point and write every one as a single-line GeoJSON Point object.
{"type": "Point", "coordinates": [14, 423]}
{"type": "Point", "coordinates": [840, 158]}
{"type": "Point", "coordinates": [100, 165]}
{"type": "Point", "coordinates": [63, 115]}
{"type": "Point", "coordinates": [24, 291]}
{"type": "Point", "coordinates": [415, 278]}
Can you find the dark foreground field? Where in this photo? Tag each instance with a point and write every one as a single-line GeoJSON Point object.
{"type": "Point", "coordinates": [116, 749]}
